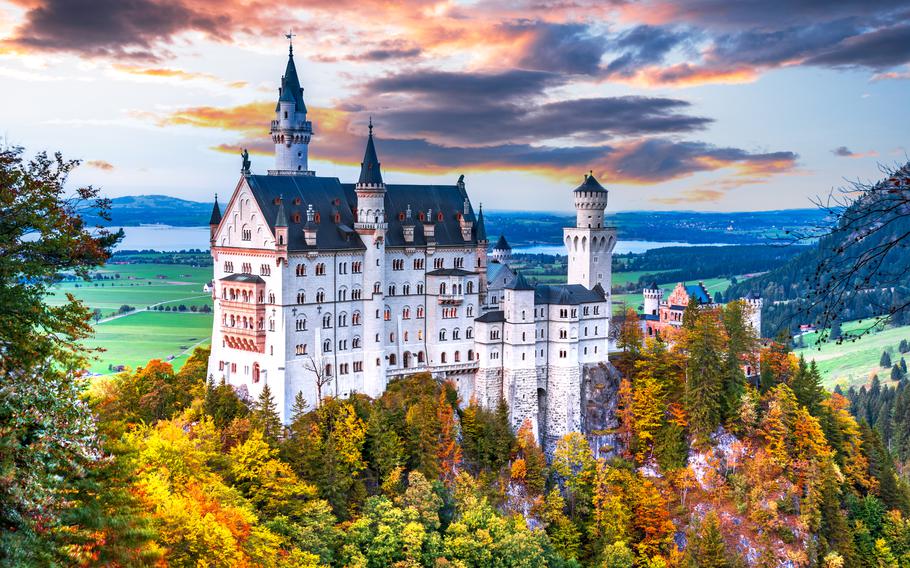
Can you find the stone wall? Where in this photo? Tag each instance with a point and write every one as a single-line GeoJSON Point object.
{"type": "Point", "coordinates": [563, 404]}
{"type": "Point", "coordinates": [488, 386]}
{"type": "Point", "coordinates": [600, 395]}
{"type": "Point", "coordinates": [521, 396]}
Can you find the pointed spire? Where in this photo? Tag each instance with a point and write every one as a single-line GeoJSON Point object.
{"type": "Point", "coordinates": [480, 229]}
{"type": "Point", "coordinates": [215, 219]}
{"type": "Point", "coordinates": [281, 219]}
{"type": "Point", "coordinates": [590, 184]}
{"type": "Point", "coordinates": [519, 283]}
{"type": "Point", "coordinates": [502, 244]}
{"type": "Point", "coordinates": [290, 91]}
{"type": "Point", "coordinates": [369, 167]}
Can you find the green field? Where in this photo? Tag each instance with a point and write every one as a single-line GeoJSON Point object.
{"type": "Point", "coordinates": [637, 299]}
{"type": "Point", "coordinates": [854, 362]}
{"type": "Point", "coordinates": [135, 339]}
{"type": "Point", "coordinates": [141, 335]}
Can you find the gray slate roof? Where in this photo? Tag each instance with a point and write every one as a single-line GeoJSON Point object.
{"type": "Point", "coordinates": [591, 184]}
{"type": "Point", "coordinates": [519, 283]}
{"type": "Point", "coordinates": [215, 219]}
{"type": "Point", "coordinates": [566, 295]}
{"type": "Point", "coordinates": [369, 167]}
{"type": "Point", "coordinates": [492, 317]}
{"type": "Point", "coordinates": [502, 244]}
{"type": "Point", "coordinates": [290, 87]}
{"type": "Point", "coordinates": [329, 196]}
{"type": "Point", "coordinates": [245, 278]}
{"type": "Point", "coordinates": [699, 292]}
{"type": "Point", "coordinates": [449, 272]}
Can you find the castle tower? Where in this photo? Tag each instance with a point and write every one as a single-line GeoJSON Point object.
{"type": "Point", "coordinates": [214, 220]}
{"type": "Point", "coordinates": [519, 363]}
{"type": "Point", "coordinates": [755, 302]}
{"type": "Point", "coordinates": [589, 243]}
{"type": "Point", "coordinates": [480, 231]}
{"type": "Point", "coordinates": [291, 131]}
{"type": "Point", "coordinates": [502, 252]}
{"type": "Point", "coordinates": [371, 226]}
{"type": "Point", "coordinates": [653, 295]}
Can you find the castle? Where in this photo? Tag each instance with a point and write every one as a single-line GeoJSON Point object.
{"type": "Point", "coordinates": [327, 288]}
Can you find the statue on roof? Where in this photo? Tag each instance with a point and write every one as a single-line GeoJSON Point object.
{"type": "Point", "coordinates": [245, 169]}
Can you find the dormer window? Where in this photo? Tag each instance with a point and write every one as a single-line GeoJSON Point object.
{"type": "Point", "coordinates": [439, 216]}
{"type": "Point", "coordinates": [297, 201]}
{"type": "Point", "coordinates": [422, 217]}
{"type": "Point", "coordinates": [316, 217]}
{"type": "Point", "coordinates": [296, 217]}
{"type": "Point", "coordinates": [338, 217]}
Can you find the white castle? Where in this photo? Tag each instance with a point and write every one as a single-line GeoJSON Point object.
{"type": "Point", "coordinates": [331, 288]}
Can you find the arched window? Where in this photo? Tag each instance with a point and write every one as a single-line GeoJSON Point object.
{"type": "Point", "coordinates": [457, 356]}
{"type": "Point", "coordinates": [470, 287]}
{"type": "Point", "coordinates": [420, 357]}
{"type": "Point", "coordinates": [327, 321]}
{"type": "Point", "coordinates": [442, 335]}
{"type": "Point", "coordinates": [442, 289]}
{"type": "Point", "coordinates": [355, 318]}
{"type": "Point", "coordinates": [469, 333]}
{"type": "Point", "coordinates": [387, 314]}
{"type": "Point", "coordinates": [392, 359]}
{"type": "Point", "coordinates": [442, 357]}
{"type": "Point", "coordinates": [355, 343]}
{"type": "Point", "coordinates": [326, 346]}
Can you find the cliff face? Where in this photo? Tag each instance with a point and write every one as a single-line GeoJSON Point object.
{"type": "Point", "coordinates": [599, 397]}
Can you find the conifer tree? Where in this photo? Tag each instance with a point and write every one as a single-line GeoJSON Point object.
{"type": "Point", "coordinates": [629, 343]}
{"type": "Point", "coordinates": [704, 374]}
{"type": "Point", "coordinates": [807, 387]}
{"type": "Point", "coordinates": [265, 416]}
{"type": "Point", "coordinates": [706, 548]}
{"type": "Point", "coordinates": [885, 360]}
{"type": "Point", "coordinates": [741, 344]}
{"type": "Point", "coordinates": [904, 346]}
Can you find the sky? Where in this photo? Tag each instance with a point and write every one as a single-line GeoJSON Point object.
{"type": "Point", "coordinates": [686, 104]}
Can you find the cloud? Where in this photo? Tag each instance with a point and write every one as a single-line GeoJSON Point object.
{"type": "Point", "coordinates": [341, 138]}
{"type": "Point", "coordinates": [180, 74]}
{"type": "Point", "coordinates": [556, 47]}
{"type": "Point", "coordinates": [481, 109]}
{"type": "Point", "coordinates": [131, 29]}
{"type": "Point", "coordinates": [879, 50]}
{"type": "Point", "coordinates": [100, 165]}
{"type": "Point", "coordinates": [643, 46]}
{"type": "Point", "coordinates": [844, 152]}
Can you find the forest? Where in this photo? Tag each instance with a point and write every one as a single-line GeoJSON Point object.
{"type": "Point", "coordinates": [711, 467]}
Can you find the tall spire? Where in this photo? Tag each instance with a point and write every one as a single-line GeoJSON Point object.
{"type": "Point", "coordinates": [369, 167]}
{"type": "Point", "coordinates": [480, 230]}
{"type": "Point", "coordinates": [281, 219]}
{"type": "Point", "coordinates": [215, 219]}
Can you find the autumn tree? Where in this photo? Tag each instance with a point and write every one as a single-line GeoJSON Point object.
{"type": "Point", "coordinates": [629, 343]}
{"type": "Point", "coordinates": [448, 451]}
{"type": "Point", "coordinates": [742, 344]}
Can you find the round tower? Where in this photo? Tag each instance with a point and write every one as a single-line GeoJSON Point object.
{"type": "Point", "coordinates": [589, 243]}
{"type": "Point", "coordinates": [291, 131]}
{"type": "Point", "coordinates": [590, 202]}
{"type": "Point", "coordinates": [653, 295]}
{"type": "Point", "coordinates": [502, 252]}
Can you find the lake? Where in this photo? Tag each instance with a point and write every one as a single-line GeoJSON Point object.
{"type": "Point", "coordinates": [169, 239]}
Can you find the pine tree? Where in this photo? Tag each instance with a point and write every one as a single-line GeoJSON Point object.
{"type": "Point", "coordinates": [265, 416]}
{"type": "Point", "coordinates": [896, 373]}
{"type": "Point", "coordinates": [904, 346]}
{"type": "Point", "coordinates": [885, 360]}
{"type": "Point", "coordinates": [807, 386]}
{"type": "Point", "coordinates": [707, 548]}
{"type": "Point", "coordinates": [704, 374]}
{"type": "Point", "coordinates": [741, 344]}
{"type": "Point", "coordinates": [629, 343]}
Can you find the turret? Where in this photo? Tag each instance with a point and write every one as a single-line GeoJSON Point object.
{"type": "Point", "coordinates": [590, 202]}
{"type": "Point", "coordinates": [755, 303]}
{"type": "Point", "coordinates": [309, 229]}
{"type": "Point", "coordinates": [502, 252]}
{"type": "Point", "coordinates": [480, 233]}
{"type": "Point", "coordinates": [653, 295]}
{"type": "Point", "coordinates": [214, 220]}
{"type": "Point", "coordinates": [291, 131]}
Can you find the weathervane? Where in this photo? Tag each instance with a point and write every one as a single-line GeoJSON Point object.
{"type": "Point", "coordinates": [290, 37]}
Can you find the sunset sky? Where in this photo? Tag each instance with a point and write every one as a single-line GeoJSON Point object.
{"type": "Point", "coordinates": [691, 104]}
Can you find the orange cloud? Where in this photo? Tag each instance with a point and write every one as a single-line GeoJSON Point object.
{"type": "Point", "coordinates": [168, 73]}
{"type": "Point", "coordinates": [100, 165]}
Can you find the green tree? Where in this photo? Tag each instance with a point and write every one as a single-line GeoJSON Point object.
{"type": "Point", "coordinates": [47, 440]}
{"type": "Point", "coordinates": [265, 416]}
{"type": "Point", "coordinates": [706, 548]}
{"type": "Point", "coordinates": [704, 374]}
{"type": "Point", "coordinates": [807, 386]}
{"type": "Point", "coordinates": [742, 343]}
{"type": "Point", "coordinates": [885, 360]}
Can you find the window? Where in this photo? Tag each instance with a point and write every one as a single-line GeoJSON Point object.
{"type": "Point", "coordinates": [442, 335]}
{"type": "Point", "coordinates": [387, 314]}
{"type": "Point", "coordinates": [320, 269]}
{"type": "Point", "coordinates": [342, 344]}
{"type": "Point", "coordinates": [470, 287]}
{"type": "Point", "coordinates": [358, 366]}
{"type": "Point", "coordinates": [342, 320]}
{"type": "Point", "coordinates": [301, 349]}
{"type": "Point", "coordinates": [456, 334]}
{"type": "Point", "coordinates": [327, 346]}
{"type": "Point", "coordinates": [301, 297]}
{"type": "Point", "coordinates": [392, 359]}
{"type": "Point", "coordinates": [405, 337]}
{"type": "Point", "coordinates": [459, 262]}
{"type": "Point", "coordinates": [469, 311]}
{"type": "Point", "coordinates": [563, 313]}
{"type": "Point", "coordinates": [342, 294]}
{"type": "Point", "coordinates": [391, 290]}
{"type": "Point", "coordinates": [247, 268]}
{"type": "Point", "coordinates": [586, 311]}
{"type": "Point", "coordinates": [301, 325]}
{"type": "Point", "coordinates": [229, 267]}
{"type": "Point", "coordinates": [420, 288]}
{"type": "Point", "coordinates": [406, 289]}
{"type": "Point", "coordinates": [398, 264]}
{"type": "Point", "coordinates": [356, 267]}
{"type": "Point", "coordinates": [342, 268]}
{"type": "Point", "coordinates": [438, 263]}
{"type": "Point", "coordinates": [442, 357]}
{"type": "Point", "coordinates": [563, 334]}
{"type": "Point", "coordinates": [377, 287]}
{"type": "Point", "coordinates": [494, 334]}
{"type": "Point", "coordinates": [328, 370]}
{"type": "Point", "coordinates": [356, 294]}
{"type": "Point", "coordinates": [418, 264]}
{"type": "Point", "coordinates": [419, 312]}
{"type": "Point", "coordinates": [442, 289]}
{"type": "Point", "coordinates": [469, 333]}
{"type": "Point", "coordinates": [457, 356]}
{"type": "Point", "coordinates": [246, 234]}
{"type": "Point", "coordinates": [355, 318]}
{"type": "Point", "coordinates": [406, 313]}
{"type": "Point", "coordinates": [271, 297]}
{"type": "Point", "coordinates": [265, 270]}
{"type": "Point", "coordinates": [355, 343]}
{"type": "Point", "coordinates": [320, 296]}
{"type": "Point", "coordinates": [596, 310]}
{"type": "Point", "coordinates": [301, 270]}
{"type": "Point", "coordinates": [327, 321]}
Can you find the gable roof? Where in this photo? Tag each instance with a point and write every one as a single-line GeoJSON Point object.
{"type": "Point", "coordinates": [699, 292]}
{"type": "Point", "coordinates": [519, 283]}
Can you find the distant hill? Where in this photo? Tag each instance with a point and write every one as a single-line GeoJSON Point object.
{"type": "Point", "coordinates": [523, 227]}
{"type": "Point", "coordinates": [134, 210]}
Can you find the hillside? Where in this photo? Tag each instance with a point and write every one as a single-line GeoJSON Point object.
{"type": "Point", "coordinates": [857, 269]}
{"type": "Point", "coordinates": [134, 210]}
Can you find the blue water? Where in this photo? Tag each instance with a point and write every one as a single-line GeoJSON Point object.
{"type": "Point", "coordinates": [168, 239]}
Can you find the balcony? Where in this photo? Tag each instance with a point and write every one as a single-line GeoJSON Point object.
{"type": "Point", "coordinates": [450, 299]}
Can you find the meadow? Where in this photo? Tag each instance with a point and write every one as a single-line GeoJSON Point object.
{"type": "Point", "coordinates": [635, 299]}
{"type": "Point", "coordinates": [135, 337]}
{"type": "Point", "coordinates": [854, 362]}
